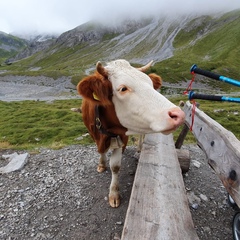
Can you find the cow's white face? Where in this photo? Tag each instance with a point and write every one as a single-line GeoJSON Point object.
{"type": "Point", "coordinates": [139, 107]}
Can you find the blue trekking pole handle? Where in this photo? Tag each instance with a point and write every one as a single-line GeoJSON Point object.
{"type": "Point", "coordinates": [215, 76]}
{"type": "Point", "coordinates": [193, 95]}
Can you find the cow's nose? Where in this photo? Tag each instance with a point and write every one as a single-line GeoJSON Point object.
{"type": "Point", "coordinates": [177, 116]}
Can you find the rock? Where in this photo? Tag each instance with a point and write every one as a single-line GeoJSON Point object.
{"type": "Point", "coordinates": [116, 237]}
{"type": "Point", "coordinates": [207, 230]}
{"type": "Point", "coordinates": [192, 198]}
{"type": "Point", "coordinates": [196, 163]}
{"type": "Point", "coordinates": [214, 213]}
{"type": "Point", "coordinates": [203, 197]}
{"type": "Point", "coordinates": [195, 206]}
{"type": "Point", "coordinates": [86, 134]}
{"type": "Point", "coordinates": [119, 223]}
{"type": "Point", "coordinates": [16, 162]}
{"type": "Point", "coordinates": [79, 138]}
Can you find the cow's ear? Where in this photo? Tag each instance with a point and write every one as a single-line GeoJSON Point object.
{"type": "Point", "coordinates": [157, 80]}
{"type": "Point", "coordinates": [96, 88]}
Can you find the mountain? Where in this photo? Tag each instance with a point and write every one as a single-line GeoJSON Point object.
{"type": "Point", "coordinates": [35, 36]}
{"type": "Point", "coordinates": [10, 45]}
{"type": "Point", "coordinates": [35, 43]}
{"type": "Point", "coordinates": [33, 47]}
{"type": "Point", "coordinates": [174, 43]}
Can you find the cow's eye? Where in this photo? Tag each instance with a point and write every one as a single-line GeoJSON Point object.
{"type": "Point", "coordinates": [122, 89]}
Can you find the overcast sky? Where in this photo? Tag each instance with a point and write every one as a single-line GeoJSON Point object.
{"type": "Point", "coordinates": [57, 16]}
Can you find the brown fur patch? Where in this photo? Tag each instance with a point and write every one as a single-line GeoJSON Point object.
{"type": "Point", "coordinates": [98, 85]}
{"type": "Point", "coordinates": [157, 80]}
{"type": "Point", "coordinates": [115, 169]}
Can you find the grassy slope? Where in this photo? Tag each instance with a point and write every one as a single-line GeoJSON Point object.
{"type": "Point", "coordinates": [29, 124]}
{"type": "Point", "coordinates": [7, 39]}
{"type": "Point", "coordinates": [224, 37]}
{"type": "Point", "coordinates": [55, 125]}
{"type": "Point", "coordinates": [33, 124]}
{"type": "Point", "coordinates": [217, 51]}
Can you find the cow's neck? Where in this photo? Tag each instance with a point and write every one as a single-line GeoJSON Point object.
{"type": "Point", "coordinates": [98, 124]}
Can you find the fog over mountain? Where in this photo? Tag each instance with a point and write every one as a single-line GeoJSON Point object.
{"type": "Point", "coordinates": [56, 17]}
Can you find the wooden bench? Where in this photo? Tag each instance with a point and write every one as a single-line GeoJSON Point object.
{"type": "Point", "coordinates": [158, 208]}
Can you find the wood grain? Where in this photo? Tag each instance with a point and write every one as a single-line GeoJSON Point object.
{"type": "Point", "coordinates": [158, 207]}
{"type": "Point", "coordinates": [221, 147]}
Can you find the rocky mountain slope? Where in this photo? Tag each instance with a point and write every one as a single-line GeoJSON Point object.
{"type": "Point", "coordinates": [33, 47]}
{"type": "Point", "coordinates": [10, 45]}
{"type": "Point", "coordinates": [174, 43]}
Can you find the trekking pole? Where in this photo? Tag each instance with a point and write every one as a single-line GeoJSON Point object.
{"type": "Point", "coordinates": [193, 95]}
{"type": "Point", "coordinates": [215, 76]}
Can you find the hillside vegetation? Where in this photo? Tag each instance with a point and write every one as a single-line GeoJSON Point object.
{"type": "Point", "coordinates": [35, 124]}
{"type": "Point", "coordinates": [31, 124]}
{"type": "Point", "coordinates": [211, 42]}
{"type": "Point", "coordinates": [10, 46]}
{"type": "Point", "coordinates": [213, 45]}
{"type": "Point", "coordinates": [175, 45]}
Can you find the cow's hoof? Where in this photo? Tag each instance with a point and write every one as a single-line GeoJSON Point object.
{"type": "Point", "coordinates": [114, 200]}
{"type": "Point", "coordinates": [101, 168]}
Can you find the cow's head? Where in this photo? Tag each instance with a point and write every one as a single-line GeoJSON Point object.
{"type": "Point", "coordinates": [139, 107]}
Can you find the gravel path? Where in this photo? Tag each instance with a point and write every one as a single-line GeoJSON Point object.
{"type": "Point", "coordinates": [60, 195]}
{"type": "Point", "coordinates": [19, 88]}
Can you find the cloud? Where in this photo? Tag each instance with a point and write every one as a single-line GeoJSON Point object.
{"type": "Point", "coordinates": [54, 16]}
{"type": "Point", "coordinates": [162, 7]}
{"type": "Point", "coordinates": [40, 16]}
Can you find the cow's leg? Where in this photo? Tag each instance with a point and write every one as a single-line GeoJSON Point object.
{"type": "Point", "coordinates": [115, 164]}
{"type": "Point", "coordinates": [102, 163]}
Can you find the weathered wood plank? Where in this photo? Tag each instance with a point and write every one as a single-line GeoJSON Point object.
{"type": "Point", "coordinates": [184, 159]}
{"type": "Point", "coordinates": [182, 136]}
{"type": "Point", "coordinates": [221, 147]}
{"type": "Point", "coordinates": [158, 207]}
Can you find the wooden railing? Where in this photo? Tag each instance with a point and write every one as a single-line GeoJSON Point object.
{"type": "Point", "coordinates": [158, 208]}
{"type": "Point", "coordinates": [221, 147]}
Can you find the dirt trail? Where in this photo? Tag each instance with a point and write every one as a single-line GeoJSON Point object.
{"type": "Point", "coordinates": [60, 195]}
{"type": "Point", "coordinates": [19, 88]}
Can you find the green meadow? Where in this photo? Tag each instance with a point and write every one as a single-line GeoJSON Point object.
{"type": "Point", "coordinates": [35, 124]}
{"type": "Point", "coordinates": [211, 43]}
{"type": "Point", "coordinates": [32, 124]}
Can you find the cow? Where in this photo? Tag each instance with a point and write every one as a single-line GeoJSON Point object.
{"type": "Point", "coordinates": [120, 100]}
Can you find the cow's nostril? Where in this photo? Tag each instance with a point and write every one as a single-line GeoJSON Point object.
{"type": "Point", "coordinates": [177, 115]}
{"type": "Point", "coordinates": [173, 115]}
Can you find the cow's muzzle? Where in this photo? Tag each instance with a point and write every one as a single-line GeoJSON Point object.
{"type": "Point", "coordinates": [176, 117]}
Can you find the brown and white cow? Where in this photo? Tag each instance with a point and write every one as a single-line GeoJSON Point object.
{"type": "Point", "coordinates": [120, 100]}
